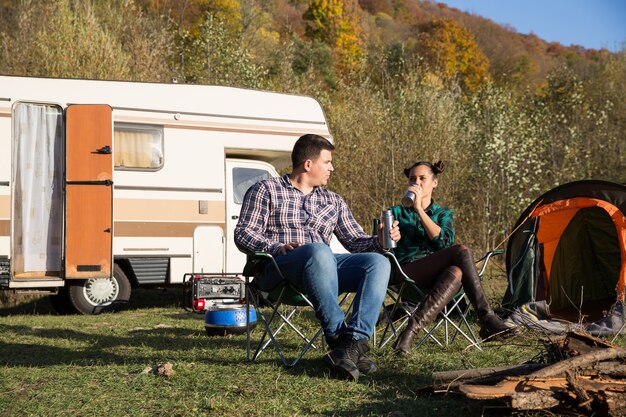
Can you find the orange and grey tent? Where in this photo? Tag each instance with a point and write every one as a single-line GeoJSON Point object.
{"type": "Point", "coordinates": [568, 249]}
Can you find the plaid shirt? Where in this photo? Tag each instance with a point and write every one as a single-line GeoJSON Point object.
{"type": "Point", "coordinates": [275, 213]}
{"type": "Point", "coordinates": [415, 243]}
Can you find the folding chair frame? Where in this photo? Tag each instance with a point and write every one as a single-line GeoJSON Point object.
{"type": "Point", "coordinates": [444, 316]}
{"type": "Point", "coordinates": [260, 298]}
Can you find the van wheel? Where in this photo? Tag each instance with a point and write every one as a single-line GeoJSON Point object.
{"type": "Point", "coordinates": [61, 302]}
{"type": "Point", "coordinates": [94, 296]}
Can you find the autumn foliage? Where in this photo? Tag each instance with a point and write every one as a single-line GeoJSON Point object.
{"type": "Point", "coordinates": [335, 22]}
{"type": "Point", "coordinates": [453, 54]}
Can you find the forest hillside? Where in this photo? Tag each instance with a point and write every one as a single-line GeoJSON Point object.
{"type": "Point", "coordinates": [399, 80]}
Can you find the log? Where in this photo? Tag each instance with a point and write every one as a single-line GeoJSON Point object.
{"type": "Point", "coordinates": [559, 368]}
{"type": "Point", "coordinates": [535, 400]}
{"type": "Point", "coordinates": [510, 386]}
{"type": "Point", "coordinates": [449, 379]}
{"type": "Point", "coordinates": [581, 395]}
{"type": "Point", "coordinates": [616, 368]}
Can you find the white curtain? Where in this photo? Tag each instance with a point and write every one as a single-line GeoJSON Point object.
{"type": "Point", "coordinates": [37, 176]}
{"type": "Point", "coordinates": [136, 148]}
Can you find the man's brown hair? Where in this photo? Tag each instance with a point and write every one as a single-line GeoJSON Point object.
{"type": "Point", "coordinates": [309, 146]}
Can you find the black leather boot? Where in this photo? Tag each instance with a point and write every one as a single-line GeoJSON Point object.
{"type": "Point", "coordinates": [445, 287]}
{"type": "Point", "coordinates": [491, 326]}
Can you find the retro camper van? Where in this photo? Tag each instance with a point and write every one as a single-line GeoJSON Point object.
{"type": "Point", "coordinates": [106, 186]}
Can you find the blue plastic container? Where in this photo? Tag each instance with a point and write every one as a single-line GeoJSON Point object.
{"type": "Point", "coordinates": [223, 319]}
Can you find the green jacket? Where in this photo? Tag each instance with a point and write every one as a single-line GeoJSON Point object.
{"type": "Point", "coordinates": [414, 242]}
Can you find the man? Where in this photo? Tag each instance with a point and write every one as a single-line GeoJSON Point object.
{"type": "Point", "coordinates": [293, 218]}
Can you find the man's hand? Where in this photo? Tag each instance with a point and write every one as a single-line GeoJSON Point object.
{"type": "Point", "coordinates": [289, 247]}
{"type": "Point", "coordinates": [394, 232]}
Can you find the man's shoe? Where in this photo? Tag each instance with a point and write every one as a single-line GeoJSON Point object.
{"type": "Point", "coordinates": [365, 365]}
{"type": "Point", "coordinates": [342, 359]}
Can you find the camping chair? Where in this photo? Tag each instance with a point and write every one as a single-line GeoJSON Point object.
{"type": "Point", "coordinates": [403, 289]}
{"type": "Point", "coordinates": [284, 301]}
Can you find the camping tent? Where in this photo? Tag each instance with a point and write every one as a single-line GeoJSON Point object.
{"type": "Point", "coordinates": [568, 250]}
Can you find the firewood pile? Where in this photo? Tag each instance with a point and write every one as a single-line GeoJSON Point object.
{"type": "Point", "coordinates": [585, 375]}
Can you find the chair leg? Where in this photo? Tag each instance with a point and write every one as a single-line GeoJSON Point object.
{"type": "Point", "coordinates": [279, 317]}
{"type": "Point", "coordinates": [431, 305]}
{"type": "Point", "coordinates": [462, 327]}
{"type": "Point", "coordinates": [446, 320]}
{"type": "Point", "coordinates": [463, 315]}
{"type": "Point", "coordinates": [269, 334]}
{"type": "Point", "coordinates": [388, 317]}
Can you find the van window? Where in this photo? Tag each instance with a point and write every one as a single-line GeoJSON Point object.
{"type": "Point", "coordinates": [244, 178]}
{"type": "Point", "coordinates": [138, 147]}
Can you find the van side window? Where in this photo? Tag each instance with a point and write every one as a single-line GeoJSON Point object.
{"type": "Point", "coordinates": [244, 178]}
{"type": "Point", "coordinates": [138, 147]}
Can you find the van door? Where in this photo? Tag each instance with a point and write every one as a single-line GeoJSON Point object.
{"type": "Point", "coordinates": [88, 191]}
{"type": "Point", "coordinates": [240, 175]}
{"type": "Point", "coordinates": [208, 249]}
{"type": "Point", "coordinates": [36, 190]}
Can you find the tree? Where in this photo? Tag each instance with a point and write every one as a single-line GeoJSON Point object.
{"type": "Point", "coordinates": [451, 51]}
{"type": "Point", "coordinates": [377, 6]}
{"type": "Point", "coordinates": [99, 40]}
{"type": "Point", "coordinates": [216, 55]}
{"type": "Point", "coordinates": [190, 14]}
{"type": "Point", "coordinates": [336, 23]}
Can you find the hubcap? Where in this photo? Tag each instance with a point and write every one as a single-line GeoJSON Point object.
{"type": "Point", "coordinates": [101, 292]}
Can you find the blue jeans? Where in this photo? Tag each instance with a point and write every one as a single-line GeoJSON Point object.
{"type": "Point", "coordinates": [323, 275]}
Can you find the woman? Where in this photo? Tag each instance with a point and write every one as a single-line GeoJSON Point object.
{"type": "Point", "coordinates": [428, 255]}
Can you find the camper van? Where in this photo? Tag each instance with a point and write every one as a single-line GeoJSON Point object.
{"type": "Point", "coordinates": [106, 186]}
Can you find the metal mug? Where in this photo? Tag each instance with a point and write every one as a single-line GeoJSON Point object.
{"type": "Point", "coordinates": [408, 199]}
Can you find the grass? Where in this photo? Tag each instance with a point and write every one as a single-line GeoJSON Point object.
{"type": "Point", "coordinates": [53, 365]}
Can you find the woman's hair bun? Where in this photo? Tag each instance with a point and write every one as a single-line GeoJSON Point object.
{"type": "Point", "coordinates": [438, 167]}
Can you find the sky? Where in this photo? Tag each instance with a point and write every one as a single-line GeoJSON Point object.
{"type": "Point", "coordinates": [589, 23]}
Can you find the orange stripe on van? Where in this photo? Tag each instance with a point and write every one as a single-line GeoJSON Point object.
{"type": "Point", "coordinates": [145, 209]}
{"type": "Point", "coordinates": [173, 210]}
{"type": "Point", "coordinates": [5, 227]}
{"type": "Point", "coordinates": [140, 229]}
{"type": "Point", "coordinates": [157, 229]}
{"type": "Point", "coordinates": [5, 206]}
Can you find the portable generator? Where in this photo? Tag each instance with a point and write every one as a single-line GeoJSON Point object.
{"type": "Point", "coordinates": [220, 298]}
{"type": "Point", "coordinates": [205, 290]}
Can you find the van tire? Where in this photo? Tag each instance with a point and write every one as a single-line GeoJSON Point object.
{"type": "Point", "coordinates": [95, 296]}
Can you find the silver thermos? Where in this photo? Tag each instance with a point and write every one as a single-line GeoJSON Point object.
{"type": "Point", "coordinates": [387, 219]}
